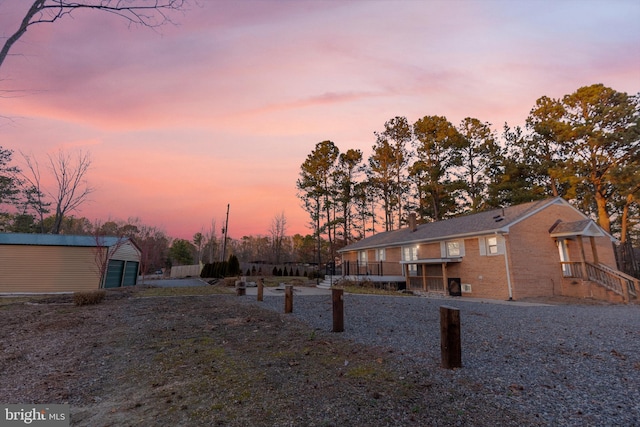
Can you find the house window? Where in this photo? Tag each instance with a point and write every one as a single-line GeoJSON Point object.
{"type": "Point", "coordinates": [380, 254]}
{"type": "Point", "coordinates": [410, 253]}
{"type": "Point", "coordinates": [492, 245]}
{"type": "Point", "coordinates": [453, 249]}
{"type": "Point", "coordinates": [362, 257]}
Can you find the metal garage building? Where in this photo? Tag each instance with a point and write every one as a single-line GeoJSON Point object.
{"type": "Point", "coordinates": [44, 263]}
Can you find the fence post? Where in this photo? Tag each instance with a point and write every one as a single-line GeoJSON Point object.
{"type": "Point", "coordinates": [338, 309]}
{"type": "Point", "coordinates": [288, 298]}
{"type": "Point", "coordinates": [260, 288]}
{"type": "Point", "coordinates": [450, 347]}
{"type": "Point", "coordinates": [241, 288]}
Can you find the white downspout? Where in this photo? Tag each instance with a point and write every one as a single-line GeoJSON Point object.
{"type": "Point", "coordinates": [506, 264]}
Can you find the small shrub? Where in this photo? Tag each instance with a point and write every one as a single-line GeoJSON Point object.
{"type": "Point", "coordinates": [88, 298]}
{"type": "Point", "coordinates": [316, 275]}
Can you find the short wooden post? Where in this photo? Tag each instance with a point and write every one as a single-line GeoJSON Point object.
{"type": "Point", "coordinates": [288, 298]}
{"type": "Point", "coordinates": [450, 347]}
{"type": "Point", "coordinates": [241, 288]}
{"type": "Point", "coordinates": [260, 289]}
{"type": "Point", "coordinates": [338, 309]}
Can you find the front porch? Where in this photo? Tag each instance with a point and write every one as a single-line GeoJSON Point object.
{"type": "Point", "coordinates": [585, 278]}
{"type": "Point", "coordinates": [431, 276]}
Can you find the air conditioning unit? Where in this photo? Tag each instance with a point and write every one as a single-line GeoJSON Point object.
{"type": "Point", "coordinates": [466, 287]}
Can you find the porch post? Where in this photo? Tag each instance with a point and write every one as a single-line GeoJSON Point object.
{"type": "Point", "coordinates": [424, 278]}
{"type": "Point", "coordinates": [594, 250]}
{"type": "Point", "coordinates": [406, 277]}
{"type": "Point", "coordinates": [445, 279]}
{"type": "Point", "coordinates": [584, 259]}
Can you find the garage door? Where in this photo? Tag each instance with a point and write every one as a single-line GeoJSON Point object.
{"type": "Point", "coordinates": [114, 274]}
{"type": "Point", "coordinates": [130, 274]}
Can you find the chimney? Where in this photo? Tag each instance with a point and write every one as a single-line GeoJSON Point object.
{"type": "Point", "coordinates": [412, 222]}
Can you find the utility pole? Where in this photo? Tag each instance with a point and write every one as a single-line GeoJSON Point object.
{"type": "Point", "coordinates": [224, 232]}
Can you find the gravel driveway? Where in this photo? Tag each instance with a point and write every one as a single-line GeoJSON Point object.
{"type": "Point", "coordinates": [563, 364]}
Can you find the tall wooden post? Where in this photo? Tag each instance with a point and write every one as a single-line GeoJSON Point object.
{"type": "Point", "coordinates": [450, 347]}
{"type": "Point", "coordinates": [288, 298]}
{"type": "Point", "coordinates": [260, 289]}
{"type": "Point", "coordinates": [338, 309]}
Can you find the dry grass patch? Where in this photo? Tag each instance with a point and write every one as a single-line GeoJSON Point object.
{"type": "Point", "coordinates": [88, 298]}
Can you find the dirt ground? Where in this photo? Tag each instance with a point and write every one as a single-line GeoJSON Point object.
{"type": "Point", "coordinates": [208, 360]}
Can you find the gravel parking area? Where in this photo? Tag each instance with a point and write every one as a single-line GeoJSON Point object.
{"type": "Point", "coordinates": [562, 364]}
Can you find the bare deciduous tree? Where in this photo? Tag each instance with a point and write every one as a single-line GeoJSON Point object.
{"type": "Point", "coordinates": [71, 188]}
{"type": "Point", "coordinates": [34, 197]}
{"type": "Point", "coordinates": [103, 250]}
{"type": "Point", "coordinates": [151, 14]}
{"type": "Point", "coordinates": [278, 231]}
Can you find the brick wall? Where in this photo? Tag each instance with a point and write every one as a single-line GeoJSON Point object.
{"type": "Point", "coordinates": [486, 274]}
{"type": "Point", "coordinates": [533, 253]}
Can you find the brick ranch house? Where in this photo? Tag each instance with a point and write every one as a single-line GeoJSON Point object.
{"type": "Point", "coordinates": [49, 263]}
{"type": "Point", "coordinates": [537, 249]}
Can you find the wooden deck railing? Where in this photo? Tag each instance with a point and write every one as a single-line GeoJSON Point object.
{"type": "Point", "coordinates": [370, 268]}
{"type": "Point", "coordinates": [433, 283]}
{"type": "Point", "coordinates": [614, 280]}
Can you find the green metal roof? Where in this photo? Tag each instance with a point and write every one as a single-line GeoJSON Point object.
{"type": "Point", "coordinates": [57, 240]}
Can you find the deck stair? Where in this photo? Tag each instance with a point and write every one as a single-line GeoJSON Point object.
{"type": "Point", "coordinates": [613, 280]}
{"type": "Point", "coordinates": [328, 281]}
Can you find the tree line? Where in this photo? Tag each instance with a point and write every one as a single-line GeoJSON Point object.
{"type": "Point", "coordinates": [584, 147]}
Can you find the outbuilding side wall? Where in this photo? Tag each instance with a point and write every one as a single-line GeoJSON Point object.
{"type": "Point", "coordinates": [41, 269]}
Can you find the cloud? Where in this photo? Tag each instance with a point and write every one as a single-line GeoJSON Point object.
{"type": "Point", "coordinates": [224, 107]}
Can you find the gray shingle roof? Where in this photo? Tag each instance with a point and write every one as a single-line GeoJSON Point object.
{"type": "Point", "coordinates": [577, 228]}
{"type": "Point", "coordinates": [474, 224]}
{"type": "Point", "coordinates": [55, 240]}
{"type": "Point", "coordinates": [571, 227]}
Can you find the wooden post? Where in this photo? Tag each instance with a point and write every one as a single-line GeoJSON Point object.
{"type": "Point", "coordinates": [450, 337]}
{"type": "Point", "coordinates": [338, 309]}
{"type": "Point", "coordinates": [594, 250]}
{"type": "Point", "coordinates": [241, 288]}
{"type": "Point", "coordinates": [288, 298]}
{"type": "Point", "coordinates": [260, 289]}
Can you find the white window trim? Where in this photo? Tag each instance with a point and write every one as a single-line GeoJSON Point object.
{"type": "Point", "coordinates": [485, 248]}
{"type": "Point", "coordinates": [363, 257]}
{"type": "Point", "coordinates": [444, 248]}
{"type": "Point", "coordinates": [379, 252]}
{"type": "Point", "coordinates": [413, 256]}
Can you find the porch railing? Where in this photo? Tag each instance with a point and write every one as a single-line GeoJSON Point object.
{"type": "Point", "coordinates": [614, 280]}
{"type": "Point", "coordinates": [433, 283]}
{"type": "Point", "coordinates": [371, 268]}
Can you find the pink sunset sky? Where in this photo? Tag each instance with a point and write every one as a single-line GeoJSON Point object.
{"type": "Point", "coordinates": [224, 107]}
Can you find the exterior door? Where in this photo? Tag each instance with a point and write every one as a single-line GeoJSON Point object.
{"type": "Point", "coordinates": [563, 250]}
{"type": "Point", "coordinates": [130, 274]}
{"type": "Point", "coordinates": [115, 270]}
